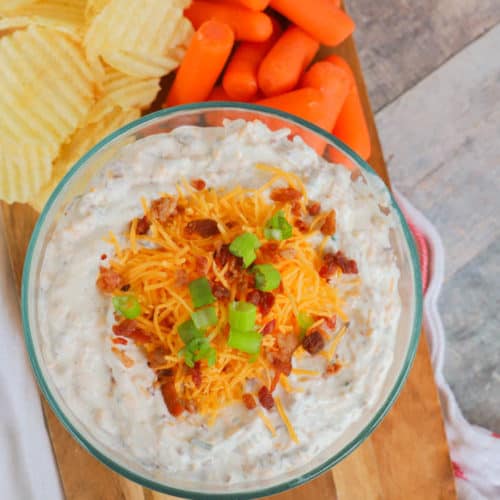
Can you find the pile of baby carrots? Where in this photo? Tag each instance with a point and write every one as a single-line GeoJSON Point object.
{"type": "Point", "coordinates": [262, 51]}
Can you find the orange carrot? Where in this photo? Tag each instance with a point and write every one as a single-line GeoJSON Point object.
{"type": "Point", "coordinates": [246, 24]}
{"type": "Point", "coordinates": [203, 62]}
{"type": "Point", "coordinates": [256, 5]}
{"type": "Point", "coordinates": [351, 126]}
{"type": "Point", "coordinates": [322, 19]}
{"type": "Point", "coordinates": [218, 94]}
{"type": "Point", "coordinates": [307, 103]}
{"type": "Point", "coordinates": [334, 82]}
{"type": "Point", "coordinates": [240, 77]}
{"type": "Point", "coordinates": [284, 64]}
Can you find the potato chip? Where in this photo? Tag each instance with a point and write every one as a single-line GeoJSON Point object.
{"type": "Point", "coordinates": [47, 87]}
{"type": "Point", "coordinates": [7, 6]}
{"type": "Point", "coordinates": [24, 168]}
{"type": "Point", "coordinates": [64, 15]}
{"type": "Point", "coordinates": [80, 143]}
{"type": "Point", "coordinates": [124, 91]}
{"type": "Point", "coordinates": [135, 36]}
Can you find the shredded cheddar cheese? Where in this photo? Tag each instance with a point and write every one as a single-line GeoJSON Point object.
{"type": "Point", "coordinates": [157, 267]}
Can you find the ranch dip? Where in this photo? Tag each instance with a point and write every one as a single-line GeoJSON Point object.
{"type": "Point", "coordinates": [120, 405]}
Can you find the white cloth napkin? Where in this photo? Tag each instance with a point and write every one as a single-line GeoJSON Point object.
{"type": "Point", "coordinates": [27, 467]}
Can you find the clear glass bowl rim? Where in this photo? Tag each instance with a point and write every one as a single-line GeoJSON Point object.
{"type": "Point", "coordinates": [195, 495]}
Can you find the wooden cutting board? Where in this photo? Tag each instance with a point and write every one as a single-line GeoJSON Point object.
{"type": "Point", "coordinates": [405, 458]}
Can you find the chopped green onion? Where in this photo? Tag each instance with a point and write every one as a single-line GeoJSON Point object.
{"type": "Point", "coordinates": [253, 358]}
{"type": "Point", "coordinates": [242, 316]}
{"type": "Point", "coordinates": [127, 305]}
{"type": "Point", "coordinates": [188, 331]}
{"type": "Point", "coordinates": [197, 349]}
{"type": "Point", "coordinates": [248, 342]}
{"type": "Point", "coordinates": [267, 277]}
{"type": "Point", "coordinates": [305, 322]}
{"type": "Point", "coordinates": [277, 227]}
{"type": "Point", "coordinates": [203, 318]}
{"type": "Point", "coordinates": [244, 246]}
{"type": "Point", "coordinates": [201, 293]}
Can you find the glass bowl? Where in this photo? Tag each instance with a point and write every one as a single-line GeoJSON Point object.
{"type": "Point", "coordinates": [211, 114]}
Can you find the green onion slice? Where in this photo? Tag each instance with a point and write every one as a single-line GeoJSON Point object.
{"type": "Point", "coordinates": [277, 227]}
{"type": "Point", "coordinates": [197, 349]}
{"type": "Point", "coordinates": [305, 322]}
{"type": "Point", "coordinates": [127, 305]}
{"type": "Point", "coordinates": [188, 331]}
{"type": "Point", "coordinates": [248, 341]}
{"type": "Point", "coordinates": [267, 277]}
{"type": "Point", "coordinates": [203, 318]}
{"type": "Point", "coordinates": [244, 246]}
{"type": "Point", "coordinates": [201, 293]}
{"type": "Point", "coordinates": [242, 316]}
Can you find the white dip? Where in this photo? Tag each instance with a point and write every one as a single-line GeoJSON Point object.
{"type": "Point", "coordinates": [131, 417]}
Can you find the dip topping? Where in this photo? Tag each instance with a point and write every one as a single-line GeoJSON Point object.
{"type": "Point", "coordinates": [224, 288]}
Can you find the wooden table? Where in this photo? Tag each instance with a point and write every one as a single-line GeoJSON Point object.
{"type": "Point", "coordinates": [406, 457]}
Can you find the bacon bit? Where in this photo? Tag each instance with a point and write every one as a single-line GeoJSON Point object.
{"type": "Point", "coordinates": [269, 252]}
{"type": "Point", "coordinates": [163, 208]}
{"type": "Point", "coordinates": [201, 265]}
{"type": "Point", "coordinates": [296, 209]}
{"type": "Point", "coordinates": [180, 209]}
{"type": "Point", "coordinates": [108, 280]}
{"type": "Point", "coordinates": [230, 224]}
{"type": "Point", "coordinates": [222, 255]}
{"type": "Point", "coordinates": [126, 361]}
{"type": "Point", "coordinates": [329, 226]}
{"type": "Point", "coordinates": [301, 225]}
{"type": "Point", "coordinates": [104, 256]}
{"type": "Point", "coordinates": [198, 184]}
{"type": "Point", "coordinates": [249, 401]}
{"type": "Point", "coordinates": [202, 227]}
{"type": "Point", "coordinates": [337, 260]}
{"type": "Point", "coordinates": [285, 194]}
{"type": "Point", "coordinates": [268, 327]}
{"type": "Point", "coordinates": [125, 288]}
{"type": "Point", "coordinates": [265, 398]}
{"type": "Point", "coordinates": [168, 321]}
{"type": "Point", "coordinates": [287, 343]}
{"type": "Point", "coordinates": [314, 342]}
{"type": "Point", "coordinates": [130, 329]}
{"type": "Point", "coordinates": [170, 396]}
{"type": "Point", "coordinates": [263, 300]}
{"type": "Point", "coordinates": [220, 291]}
{"type": "Point", "coordinates": [331, 322]}
{"type": "Point", "coordinates": [196, 374]}
{"type": "Point", "coordinates": [156, 358]}
{"type": "Point", "coordinates": [313, 208]}
{"type": "Point", "coordinates": [119, 340]}
{"type": "Point", "coordinates": [181, 278]}
{"type": "Point", "coordinates": [143, 225]}
{"type": "Point", "coordinates": [333, 368]}
{"type": "Point", "coordinates": [283, 366]}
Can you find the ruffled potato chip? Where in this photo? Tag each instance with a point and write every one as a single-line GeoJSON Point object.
{"type": "Point", "coordinates": [47, 87]}
{"type": "Point", "coordinates": [136, 37]}
{"type": "Point", "coordinates": [24, 168]}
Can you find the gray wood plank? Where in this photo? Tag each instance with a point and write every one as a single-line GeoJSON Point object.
{"type": "Point", "coordinates": [442, 140]}
{"type": "Point", "coordinates": [402, 41]}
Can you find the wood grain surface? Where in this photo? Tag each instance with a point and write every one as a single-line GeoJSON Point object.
{"type": "Point", "coordinates": [406, 457]}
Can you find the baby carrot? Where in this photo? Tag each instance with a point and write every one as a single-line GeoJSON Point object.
{"type": "Point", "coordinates": [351, 126]}
{"type": "Point", "coordinates": [203, 62]}
{"type": "Point", "coordinates": [322, 19]}
{"type": "Point", "coordinates": [307, 103]}
{"type": "Point", "coordinates": [256, 5]}
{"type": "Point", "coordinates": [246, 24]}
{"type": "Point", "coordinates": [334, 82]}
{"type": "Point", "coordinates": [240, 77]}
{"type": "Point", "coordinates": [282, 67]}
{"type": "Point", "coordinates": [218, 94]}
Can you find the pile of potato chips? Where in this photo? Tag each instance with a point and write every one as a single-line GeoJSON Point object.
{"type": "Point", "coordinates": [72, 72]}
